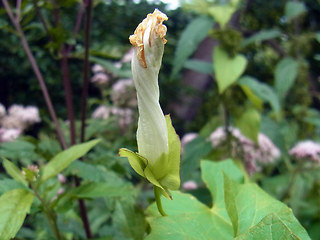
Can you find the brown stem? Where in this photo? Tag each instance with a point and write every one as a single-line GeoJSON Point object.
{"type": "Point", "coordinates": [66, 79]}
{"type": "Point", "coordinates": [77, 25]}
{"type": "Point", "coordinates": [18, 7]}
{"type": "Point", "coordinates": [37, 73]}
{"type": "Point", "coordinates": [85, 82]}
{"type": "Point", "coordinates": [68, 93]}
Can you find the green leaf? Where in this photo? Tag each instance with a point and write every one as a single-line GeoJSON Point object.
{"type": "Point", "coordinates": [318, 36]}
{"type": "Point", "coordinates": [187, 219]}
{"type": "Point", "coordinates": [130, 220]}
{"type": "Point", "coordinates": [199, 66]}
{"type": "Point", "coordinates": [248, 205]}
{"type": "Point", "coordinates": [249, 123]}
{"type": "Point", "coordinates": [194, 151]}
{"type": "Point", "coordinates": [111, 67]}
{"type": "Point", "coordinates": [14, 206]}
{"type": "Point", "coordinates": [262, 90]}
{"type": "Point", "coordinates": [95, 173]}
{"type": "Point", "coordinates": [14, 172]}
{"type": "Point", "coordinates": [63, 159]}
{"type": "Point", "coordinates": [254, 99]}
{"type": "Point", "coordinates": [261, 36]}
{"type": "Point", "coordinates": [227, 69]}
{"type": "Point", "coordinates": [190, 38]}
{"type": "Point", "coordinates": [8, 184]}
{"type": "Point", "coordinates": [212, 175]}
{"type": "Point", "coordinates": [102, 189]}
{"type": "Point", "coordinates": [271, 227]}
{"type": "Point", "coordinates": [19, 149]}
{"type": "Point", "coordinates": [285, 75]}
{"type": "Point", "coordinates": [294, 9]}
{"type": "Point", "coordinates": [222, 14]}
{"type": "Point", "coordinates": [237, 209]}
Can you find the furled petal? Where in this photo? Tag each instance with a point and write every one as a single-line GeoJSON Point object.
{"type": "Point", "coordinates": [148, 40]}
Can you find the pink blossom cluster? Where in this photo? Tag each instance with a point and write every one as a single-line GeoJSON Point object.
{"type": "Point", "coordinates": [14, 121]}
{"type": "Point", "coordinates": [123, 93]}
{"type": "Point", "coordinates": [307, 149]}
{"type": "Point", "coordinates": [101, 77]}
{"type": "Point", "coordinates": [254, 155]}
{"type": "Point", "coordinates": [188, 137]}
{"type": "Point", "coordinates": [124, 116]}
{"type": "Point", "coordinates": [190, 185]}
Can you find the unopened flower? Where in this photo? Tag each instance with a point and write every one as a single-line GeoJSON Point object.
{"type": "Point", "coordinates": [61, 191]}
{"type": "Point", "coordinates": [101, 112]}
{"type": "Point", "coordinates": [62, 178]}
{"type": "Point", "coordinates": [148, 40]}
{"type": "Point", "coordinates": [31, 173]}
{"type": "Point", "coordinates": [190, 185]}
{"type": "Point", "coordinates": [158, 156]}
{"type": "Point", "coordinates": [306, 149]}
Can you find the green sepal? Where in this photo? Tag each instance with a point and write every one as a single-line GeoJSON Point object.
{"type": "Point", "coordinates": [137, 162]}
{"type": "Point", "coordinates": [140, 165]}
{"type": "Point", "coordinates": [168, 166]}
{"type": "Point", "coordinates": [151, 178]}
{"type": "Point", "coordinates": [172, 178]}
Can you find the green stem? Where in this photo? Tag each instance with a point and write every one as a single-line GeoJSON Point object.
{"type": "Point", "coordinates": [49, 214]}
{"type": "Point", "coordinates": [158, 200]}
{"type": "Point", "coordinates": [293, 174]}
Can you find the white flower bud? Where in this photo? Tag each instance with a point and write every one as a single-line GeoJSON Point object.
{"type": "Point", "coordinates": [148, 41]}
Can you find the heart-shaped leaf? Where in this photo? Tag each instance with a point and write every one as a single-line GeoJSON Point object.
{"type": "Point", "coordinates": [226, 68]}
{"type": "Point", "coordinates": [239, 211]}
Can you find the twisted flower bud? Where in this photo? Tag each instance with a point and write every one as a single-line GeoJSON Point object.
{"type": "Point", "coordinates": [148, 41]}
{"type": "Point", "coordinates": [158, 156]}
